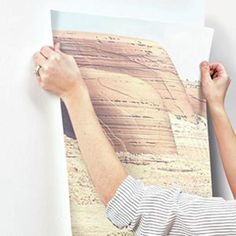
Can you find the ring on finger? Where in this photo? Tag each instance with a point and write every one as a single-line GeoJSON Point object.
{"type": "Point", "coordinates": [38, 67]}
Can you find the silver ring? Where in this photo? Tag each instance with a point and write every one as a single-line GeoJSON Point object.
{"type": "Point", "coordinates": [37, 70]}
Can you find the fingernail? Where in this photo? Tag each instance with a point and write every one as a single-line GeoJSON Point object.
{"type": "Point", "coordinates": [204, 63]}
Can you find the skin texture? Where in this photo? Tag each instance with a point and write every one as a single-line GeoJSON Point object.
{"type": "Point", "coordinates": [60, 75]}
{"type": "Point", "coordinates": [215, 83]}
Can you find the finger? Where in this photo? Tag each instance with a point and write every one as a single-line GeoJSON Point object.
{"type": "Point", "coordinates": [219, 72]}
{"type": "Point", "coordinates": [57, 47]}
{"type": "Point", "coordinates": [39, 59]}
{"type": "Point", "coordinates": [47, 51]}
{"type": "Point", "coordinates": [205, 71]}
{"type": "Point", "coordinates": [215, 75]}
{"type": "Point", "coordinates": [38, 76]}
{"type": "Point", "coordinates": [38, 73]}
{"type": "Point", "coordinates": [218, 68]}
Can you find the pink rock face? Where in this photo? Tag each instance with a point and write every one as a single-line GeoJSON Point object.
{"type": "Point", "coordinates": [133, 86]}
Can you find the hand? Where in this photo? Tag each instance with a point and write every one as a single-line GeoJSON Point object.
{"type": "Point", "coordinates": [215, 83]}
{"type": "Point", "coordinates": [58, 73]}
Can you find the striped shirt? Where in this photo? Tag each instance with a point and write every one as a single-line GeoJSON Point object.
{"type": "Point", "coordinates": [152, 210]}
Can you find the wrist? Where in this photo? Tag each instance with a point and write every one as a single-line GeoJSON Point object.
{"type": "Point", "coordinates": [216, 108]}
{"type": "Point", "coordinates": [77, 94]}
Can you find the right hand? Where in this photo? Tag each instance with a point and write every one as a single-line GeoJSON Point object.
{"type": "Point", "coordinates": [215, 83]}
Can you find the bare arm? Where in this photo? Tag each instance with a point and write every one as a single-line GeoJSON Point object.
{"type": "Point", "coordinates": [60, 75]}
{"type": "Point", "coordinates": [215, 82]}
{"type": "Point", "coordinates": [103, 165]}
{"type": "Point", "coordinates": [226, 140]}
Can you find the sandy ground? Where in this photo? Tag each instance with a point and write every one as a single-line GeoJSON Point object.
{"type": "Point", "coordinates": [189, 172]}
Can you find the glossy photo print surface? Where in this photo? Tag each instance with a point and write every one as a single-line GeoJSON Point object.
{"type": "Point", "coordinates": [144, 83]}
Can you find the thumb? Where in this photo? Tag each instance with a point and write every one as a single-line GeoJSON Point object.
{"type": "Point", "coordinates": [205, 71]}
{"type": "Point", "coordinates": [57, 47]}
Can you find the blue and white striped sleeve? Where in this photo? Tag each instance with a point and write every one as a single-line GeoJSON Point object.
{"type": "Point", "coordinates": [152, 210]}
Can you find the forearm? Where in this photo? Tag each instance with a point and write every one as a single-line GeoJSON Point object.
{"type": "Point", "coordinates": [226, 139]}
{"type": "Point", "coordinates": [103, 165]}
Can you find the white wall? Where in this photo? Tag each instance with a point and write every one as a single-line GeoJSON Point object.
{"type": "Point", "coordinates": [34, 196]}
{"type": "Point", "coordinates": [220, 15]}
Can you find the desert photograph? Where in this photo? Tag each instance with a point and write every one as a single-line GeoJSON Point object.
{"type": "Point", "coordinates": [155, 120]}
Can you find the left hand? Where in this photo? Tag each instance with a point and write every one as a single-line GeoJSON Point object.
{"type": "Point", "coordinates": [58, 73]}
{"type": "Point", "coordinates": [215, 83]}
